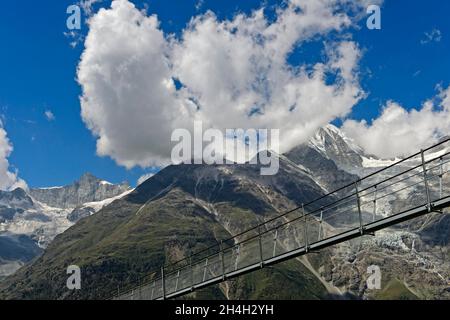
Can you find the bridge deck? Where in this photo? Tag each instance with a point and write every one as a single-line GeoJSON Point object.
{"type": "Point", "coordinates": [344, 236]}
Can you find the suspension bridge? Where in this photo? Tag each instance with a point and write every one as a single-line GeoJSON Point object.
{"type": "Point", "coordinates": [412, 187]}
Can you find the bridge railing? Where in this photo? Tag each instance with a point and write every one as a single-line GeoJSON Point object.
{"type": "Point", "coordinates": [415, 181]}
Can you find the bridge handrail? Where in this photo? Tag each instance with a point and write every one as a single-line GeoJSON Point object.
{"type": "Point", "coordinates": [330, 193]}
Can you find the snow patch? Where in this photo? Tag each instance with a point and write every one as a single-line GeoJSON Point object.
{"type": "Point", "coordinates": [98, 205]}
{"type": "Point", "coordinates": [377, 163]}
{"type": "Point", "coordinates": [50, 188]}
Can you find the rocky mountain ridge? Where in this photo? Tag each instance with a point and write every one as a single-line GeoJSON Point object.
{"type": "Point", "coordinates": [29, 220]}
{"type": "Point", "coordinates": [87, 189]}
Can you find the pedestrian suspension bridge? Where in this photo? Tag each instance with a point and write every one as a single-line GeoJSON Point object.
{"type": "Point", "coordinates": [412, 187]}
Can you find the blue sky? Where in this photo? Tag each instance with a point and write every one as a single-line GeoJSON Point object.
{"type": "Point", "coordinates": [38, 73]}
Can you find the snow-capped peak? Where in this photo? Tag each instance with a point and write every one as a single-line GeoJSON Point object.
{"type": "Point", "coordinates": [329, 136]}
{"type": "Point", "coordinates": [331, 142]}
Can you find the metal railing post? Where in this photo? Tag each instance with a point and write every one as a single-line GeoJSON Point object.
{"type": "Point", "coordinates": [222, 259]}
{"type": "Point", "coordinates": [320, 224]}
{"type": "Point", "coordinates": [191, 273]}
{"type": "Point", "coordinates": [178, 278]}
{"type": "Point", "coordinates": [260, 248]}
{"type": "Point", "coordinates": [375, 204]}
{"type": "Point", "coordinates": [153, 290]}
{"type": "Point", "coordinates": [205, 269]}
{"type": "Point", "coordinates": [140, 289]}
{"type": "Point", "coordinates": [305, 229]}
{"type": "Point", "coordinates": [425, 181]}
{"type": "Point", "coordinates": [238, 249]}
{"type": "Point", "coordinates": [163, 280]}
{"type": "Point", "coordinates": [361, 228]}
{"type": "Point", "coordinates": [275, 243]}
{"type": "Point", "coordinates": [441, 174]}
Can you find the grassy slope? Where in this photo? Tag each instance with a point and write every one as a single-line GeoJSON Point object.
{"type": "Point", "coordinates": [395, 290]}
{"type": "Point", "coordinates": [288, 280]}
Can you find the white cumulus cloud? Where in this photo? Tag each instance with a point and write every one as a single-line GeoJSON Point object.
{"type": "Point", "coordinates": [399, 132]}
{"type": "Point", "coordinates": [49, 115]}
{"type": "Point", "coordinates": [8, 180]}
{"type": "Point", "coordinates": [434, 35]}
{"type": "Point", "coordinates": [234, 74]}
{"type": "Point", "coordinates": [87, 6]}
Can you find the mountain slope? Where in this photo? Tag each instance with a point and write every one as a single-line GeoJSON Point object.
{"type": "Point", "coordinates": [28, 225]}
{"type": "Point", "coordinates": [323, 169]}
{"type": "Point", "coordinates": [180, 210]}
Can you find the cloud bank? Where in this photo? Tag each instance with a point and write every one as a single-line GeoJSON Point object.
{"type": "Point", "coordinates": [139, 84]}
{"type": "Point", "coordinates": [399, 132]}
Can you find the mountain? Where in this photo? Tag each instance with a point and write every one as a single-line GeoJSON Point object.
{"type": "Point", "coordinates": [414, 256]}
{"type": "Point", "coordinates": [334, 145]}
{"type": "Point", "coordinates": [87, 189]}
{"type": "Point", "coordinates": [321, 167]}
{"type": "Point", "coordinates": [186, 208]}
{"type": "Point", "coordinates": [181, 209]}
{"type": "Point", "coordinates": [29, 220]}
{"type": "Point", "coordinates": [12, 203]}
